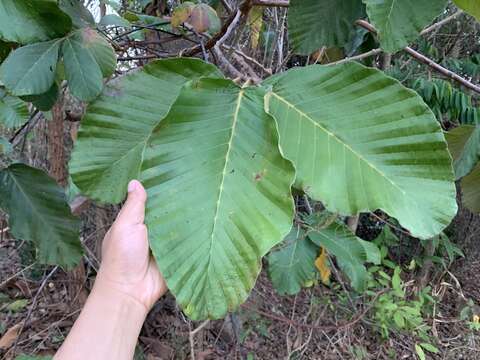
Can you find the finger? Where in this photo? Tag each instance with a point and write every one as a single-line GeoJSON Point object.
{"type": "Point", "coordinates": [133, 211]}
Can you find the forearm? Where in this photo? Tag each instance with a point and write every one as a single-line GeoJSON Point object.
{"type": "Point", "coordinates": [107, 328]}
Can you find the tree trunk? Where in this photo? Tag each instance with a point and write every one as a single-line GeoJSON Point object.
{"type": "Point", "coordinates": [56, 148]}
{"type": "Point", "coordinates": [58, 170]}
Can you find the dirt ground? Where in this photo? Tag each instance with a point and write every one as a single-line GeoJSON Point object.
{"type": "Point", "coordinates": [318, 323]}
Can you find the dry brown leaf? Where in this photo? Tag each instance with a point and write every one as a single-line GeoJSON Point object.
{"type": "Point", "coordinates": [10, 336]}
{"type": "Point", "coordinates": [161, 349]}
{"type": "Point", "coordinates": [322, 265]}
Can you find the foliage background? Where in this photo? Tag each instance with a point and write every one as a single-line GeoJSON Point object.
{"type": "Point", "coordinates": [323, 321]}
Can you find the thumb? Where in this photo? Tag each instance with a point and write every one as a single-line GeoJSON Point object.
{"type": "Point", "coordinates": [133, 211]}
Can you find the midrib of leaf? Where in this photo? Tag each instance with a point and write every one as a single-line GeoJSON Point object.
{"type": "Point", "coordinates": [107, 169]}
{"type": "Point", "coordinates": [390, 12]}
{"type": "Point", "coordinates": [335, 137]}
{"type": "Point", "coordinates": [224, 172]}
{"type": "Point", "coordinates": [294, 249]}
{"type": "Point", "coordinates": [36, 63]}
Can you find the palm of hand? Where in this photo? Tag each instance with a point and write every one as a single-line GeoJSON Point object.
{"type": "Point", "coordinates": [127, 265]}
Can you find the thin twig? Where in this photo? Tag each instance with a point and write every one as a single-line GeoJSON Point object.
{"type": "Point", "coordinates": [15, 275]}
{"type": "Point", "coordinates": [273, 3]}
{"type": "Point", "coordinates": [131, 58]}
{"type": "Point", "coordinates": [441, 23]}
{"type": "Point", "coordinates": [192, 340]}
{"type": "Point", "coordinates": [449, 74]}
{"type": "Point", "coordinates": [227, 27]}
{"type": "Point", "coordinates": [34, 303]}
{"type": "Point", "coordinates": [227, 6]}
{"type": "Point", "coordinates": [348, 324]}
{"type": "Point", "coordinates": [248, 58]}
{"type": "Point", "coordinates": [141, 27]}
{"type": "Point", "coordinates": [357, 57]}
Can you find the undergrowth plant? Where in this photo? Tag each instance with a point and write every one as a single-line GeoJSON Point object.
{"type": "Point", "coordinates": [219, 157]}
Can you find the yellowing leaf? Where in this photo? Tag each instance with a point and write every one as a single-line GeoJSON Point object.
{"type": "Point", "coordinates": [322, 265]}
{"type": "Point", "coordinates": [204, 18]}
{"type": "Point", "coordinates": [476, 319]}
{"type": "Point", "coordinates": [181, 14]}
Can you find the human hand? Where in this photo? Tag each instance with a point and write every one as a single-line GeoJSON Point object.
{"type": "Point", "coordinates": [127, 266]}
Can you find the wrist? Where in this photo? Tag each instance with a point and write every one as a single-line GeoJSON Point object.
{"type": "Point", "coordinates": [110, 315]}
{"type": "Point", "coordinates": [119, 295]}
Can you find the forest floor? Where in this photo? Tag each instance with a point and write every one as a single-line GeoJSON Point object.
{"type": "Point", "coordinates": [39, 305]}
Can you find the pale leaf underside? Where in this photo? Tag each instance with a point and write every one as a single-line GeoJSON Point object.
{"type": "Point", "coordinates": [217, 151]}
{"type": "Point", "coordinates": [360, 141]}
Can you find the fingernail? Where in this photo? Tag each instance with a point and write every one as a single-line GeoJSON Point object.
{"type": "Point", "coordinates": [132, 185]}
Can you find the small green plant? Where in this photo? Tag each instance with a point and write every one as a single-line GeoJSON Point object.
{"type": "Point", "coordinates": [394, 311]}
{"type": "Point", "coordinates": [471, 315]}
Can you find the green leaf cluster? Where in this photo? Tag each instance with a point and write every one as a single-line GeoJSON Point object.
{"type": "Point", "coordinates": [292, 263]}
{"type": "Point", "coordinates": [53, 34]}
{"type": "Point", "coordinates": [447, 102]}
{"type": "Point", "coordinates": [315, 24]}
{"type": "Point", "coordinates": [218, 161]}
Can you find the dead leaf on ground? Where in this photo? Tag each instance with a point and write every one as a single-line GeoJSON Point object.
{"type": "Point", "coordinates": [10, 336]}
{"type": "Point", "coordinates": [204, 355]}
{"type": "Point", "coordinates": [158, 347]}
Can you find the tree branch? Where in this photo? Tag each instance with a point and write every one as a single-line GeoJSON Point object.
{"type": "Point", "coordinates": [427, 61]}
{"type": "Point", "coordinates": [227, 6]}
{"type": "Point", "coordinates": [227, 27]}
{"type": "Point", "coordinates": [131, 58]}
{"type": "Point", "coordinates": [357, 57]}
{"type": "Point", "coordinates": [277, 3]}
{"type": "Point", "coordinates": [441, 22]}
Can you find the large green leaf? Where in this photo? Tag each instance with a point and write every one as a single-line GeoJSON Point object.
{"type": "Point", "coordinates": [470, 6]}
{"type": "Point", "coordinates": [83, 74]}
{"type": "Point", "coordinates": [464, 144]}
{"type": "Point", "coordinates": [38, 212]}
{"type": "Point", "coordinates": [28, 21]}
{"type": "Point", "coordinates": [316, 23]}
{"type": "Point", "coordinates": [113, 134]}
{"type": "Point", "coordinates": [30, 70]}
{"type": "Point", "coordinates": [360, 141]}
{"type": "Point", "coordinates": [219, 194]}
{"type": "Point", "coordinates": [13, 111]}
{"type": "Point", "coordinates": [292, 266]}
{"type": "Point", "coordinates": [350, 251]}
{"type": "Point", "coordinates": [399, 22]}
